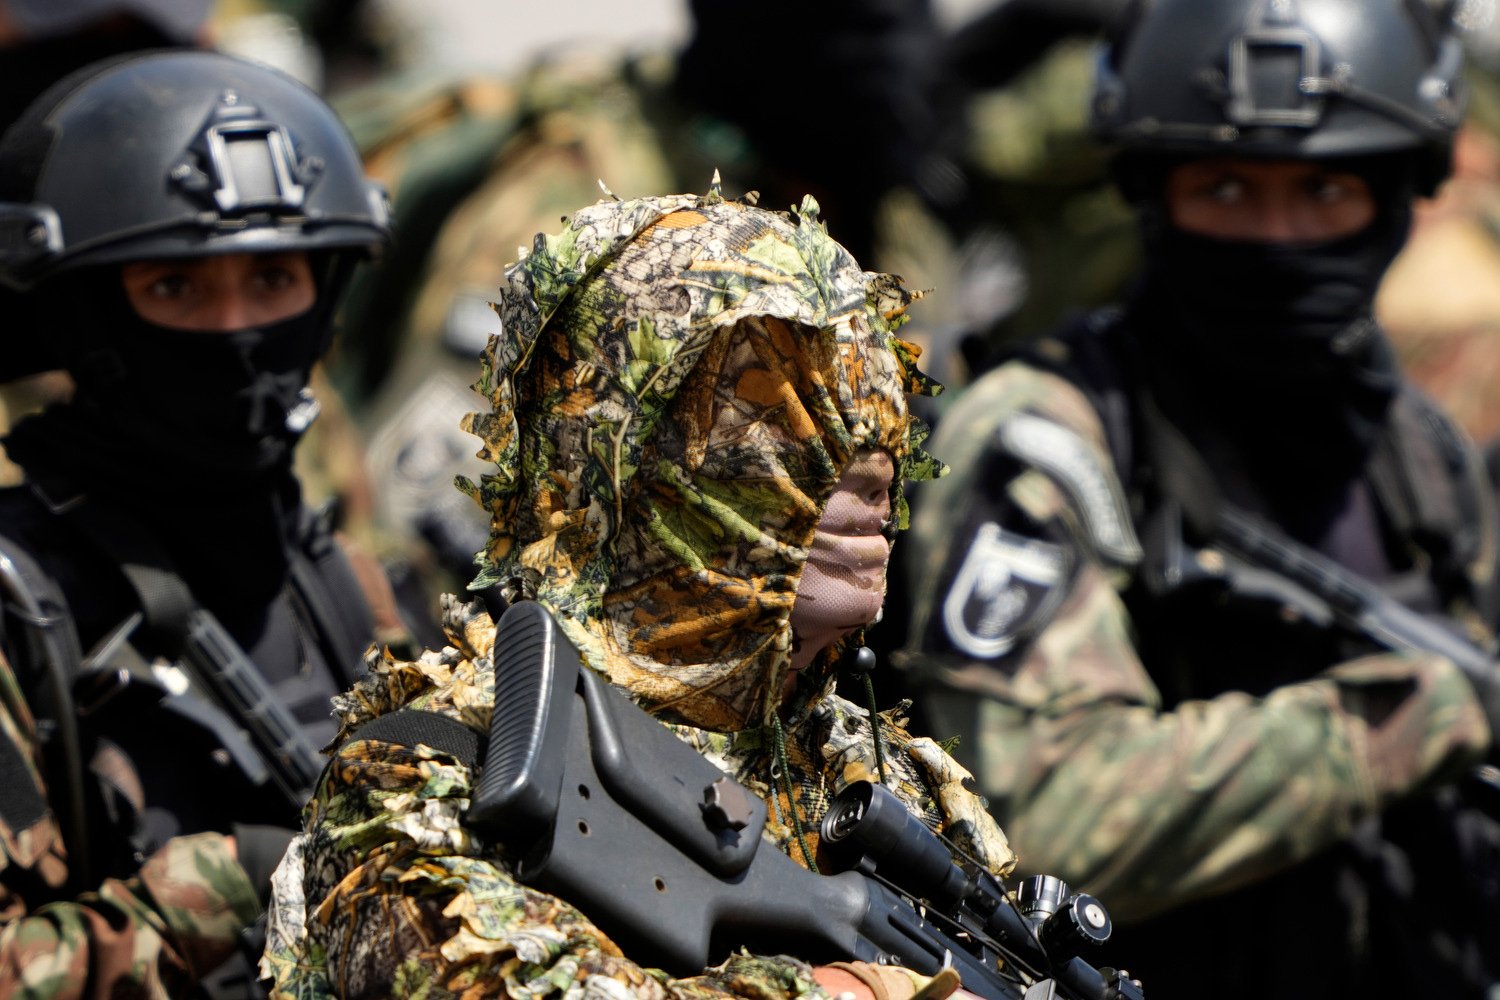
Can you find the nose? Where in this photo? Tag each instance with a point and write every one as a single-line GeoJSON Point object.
{"type": "Point", "coordinates": [230, 310]}
{"type": "Point", "coordinates": [861, 503]}
{"type": "Point", "coordinates": [1278, 222]}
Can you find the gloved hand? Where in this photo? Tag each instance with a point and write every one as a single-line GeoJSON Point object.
{"type": "Point", "coordinates": [868, 981]}
{"type": "Point", "coordinates": [259, 850]}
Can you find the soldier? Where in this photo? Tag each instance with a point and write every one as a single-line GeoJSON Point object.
{"type": "Point", "coordinates": [40, 43]}
{"type": "Point", "coordinates": [699, 436]}
{"type": "Point", "coordinates": [177, 619]}
{"type": "Point", "coordinates": [478, 165]}
{"type": "Point", "coordinates": [1156, 600]}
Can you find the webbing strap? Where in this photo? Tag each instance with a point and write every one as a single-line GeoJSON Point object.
{"type": "Point", "coordinates": [164, 598]}
{"type": "Point", "coordinates": [54, 661]}
{"type": "Point", "coordinates": [410, 726]}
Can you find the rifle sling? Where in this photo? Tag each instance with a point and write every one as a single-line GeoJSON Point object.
{"type": "Point", "coordinates": [410, 726]}
{"type": "Point", "coordinates": [53, 661]}
{"type": "Point", "coordinates": [317, 574]}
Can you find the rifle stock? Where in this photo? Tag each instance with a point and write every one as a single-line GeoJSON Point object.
{"type": "Point", "coordinates": [605, 807]}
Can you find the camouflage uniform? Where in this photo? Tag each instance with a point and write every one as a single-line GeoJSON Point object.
{"type": "Point", "coordinates": [1235, 763]}
{"type": "Point", "coordinates": [680, 382]}
{"type": "Point", "coordinates": [151, 935]}
{"type": "Point", "coordinates": [476, 167]}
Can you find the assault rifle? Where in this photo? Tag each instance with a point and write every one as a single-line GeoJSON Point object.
{"type": "Point", "coordinates": [1320, 588]}
{"type": "Point", "coordinates": [281, 751]}
{"type": "Point", "coordinates": [1349, 599]}
{"type": "Point", "coordinates": [606, 808]}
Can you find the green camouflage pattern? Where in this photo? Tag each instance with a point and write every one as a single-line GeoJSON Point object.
{"type": "Point", "coordinates": [679, 387]}
{"type": "Point", "coordinates": [152, 935]}
{"type": "Point", "coordinates": [1182, 804]}
{"type": "Point", "coordinates": [679, 383]}
{"type": "Point", "coordinates": [388, 894]}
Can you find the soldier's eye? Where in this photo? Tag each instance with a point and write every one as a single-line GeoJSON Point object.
{"type": "Point", "coordinates": [274, 278]}
{"type": "Point", "coordinates": [171, 286]}
{"type": "Point", "coordinates": [1227, 190]}
{"type": "Point", "coordinates": [1330, 189]}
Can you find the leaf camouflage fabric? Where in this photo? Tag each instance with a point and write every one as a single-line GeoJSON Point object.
{"type": "Point", "coordinates": [676, 389]}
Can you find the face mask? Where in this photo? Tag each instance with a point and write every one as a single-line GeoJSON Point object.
{"type": "Point", "coordinates": [224, 399]}
{"type": "Point", "coordinates": [1288, 315]}
{"type": "Point", "coordinates": [1272, 351]}
{"type": "Point", "coordinates": [842, 585]}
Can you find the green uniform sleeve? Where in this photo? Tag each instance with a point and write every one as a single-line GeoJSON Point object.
{"type": "Point", "coordinates": [1147, 809]}
{"type": "Point", "coordinates": [1096, 783]}
{"type": "Point", "coordinates": [389, 895]}
{"type": "Point", "coordinates": [151, 935]}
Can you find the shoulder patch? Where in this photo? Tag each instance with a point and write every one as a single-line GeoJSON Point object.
{"type": "Point", "coordinates": [1007, 588]}
{"type": "Point", "coordinates": [1068, 460]}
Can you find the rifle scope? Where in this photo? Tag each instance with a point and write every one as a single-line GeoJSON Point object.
{"type": "Point", "coordinates": [1043, 930]}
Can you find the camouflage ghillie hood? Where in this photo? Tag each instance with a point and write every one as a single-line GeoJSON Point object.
{"type": "Point", "coordinates": [678, 384]}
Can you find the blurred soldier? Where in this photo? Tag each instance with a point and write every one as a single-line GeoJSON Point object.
{"type": "Point", "coordinates": [713, 559]}
{"type": "Point", "coordinates": [1034, 170]}
{"type": "Point", "coordinates": [42, 41]}
{"type": "Point", "coordinates": [1163, 600]}
{"type": "Point", "coordinates": [177, 619]}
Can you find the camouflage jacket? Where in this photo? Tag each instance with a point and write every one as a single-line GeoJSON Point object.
{"type": "Point", "coordinates": [389, 894]}
{"type": "Point", "coordinates": [1025, 648]}
{"type": "Point", "coordinates": [151, 935]}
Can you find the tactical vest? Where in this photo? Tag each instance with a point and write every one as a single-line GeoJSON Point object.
{"type": "Point", "coordinates": [138, 743]}
{"type": "Point", "coordinates": [1422, 477]}
{"type": "Point", "coordinates": [1409, 904]}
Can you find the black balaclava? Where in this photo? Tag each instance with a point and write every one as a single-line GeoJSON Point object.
{"type": "Point", "coordinates": [191, 431]}
{"type": "Point", "coordinates": [1270, 351]}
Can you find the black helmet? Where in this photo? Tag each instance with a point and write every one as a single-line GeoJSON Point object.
{"type": "Point", "coordinates": [179, 154]}
{"type": "Point", "coordinates": [1285, 78]}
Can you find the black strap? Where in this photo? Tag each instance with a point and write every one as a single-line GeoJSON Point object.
{"type": "Point", "coordinates": [54, 659]}
{"type": "Point", "coordinates": [410, 726]}
{"type": "Point", "coordinates": [1430, 485]}
{"type": "Point", "coordinates": [21, 801]}
{"type": "Point", "coordinates": [1090, 354]}
{"type": "Point", "coordinates": [331, 596]}
{"type": "Point", "coordinates": [164, 598]}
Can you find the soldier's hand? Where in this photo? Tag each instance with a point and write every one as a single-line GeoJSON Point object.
{"type": "Point", "coordinates": [868, 981]}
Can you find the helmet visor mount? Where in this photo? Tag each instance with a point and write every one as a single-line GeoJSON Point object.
{"type": "Point", "coordinates": [209, 155]}
{"type": "Point", "coordinates": [1284, 79]}
{"type": "Point", "coordinates": [1273, 79]}
{"type": "Point", "coordinates": [254, 165]}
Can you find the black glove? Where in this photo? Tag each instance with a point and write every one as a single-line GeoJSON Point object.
{"type": "Point", "coordinates": [259, 849]}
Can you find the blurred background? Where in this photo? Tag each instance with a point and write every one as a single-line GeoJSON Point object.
{"type": "Point", "coordinates": [945, 141]}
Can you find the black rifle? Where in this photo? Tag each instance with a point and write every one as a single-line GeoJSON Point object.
{"type": "Point", "coordinates": [1321, 589]}
{"type": "Point", "coordinates": [603, 806]}
{"type": "Point", "coordinates": [1349, 599]}
{"type": "Point", "coordinates": [235, 684]}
